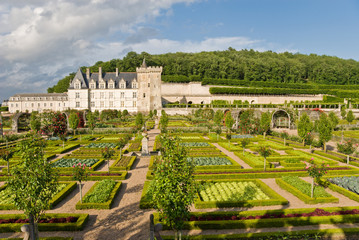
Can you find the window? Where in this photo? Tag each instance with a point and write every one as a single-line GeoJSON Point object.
{"type": "Point", "coordinates": [134, 103]}
{"type": "Point", "coordinates": [149, 84]}
{"type": "Point", "coordinates": [92, 104]}
{"type": "Point", "coordinates": [110, 95]}
{"type": "Point", "coordinates": [25, 104]}
{"type": "Point", "coordinates": [102, 85]}
{"type": "Point", "coordinates": [144, 95]}
{"type": "Point", "coordinates": [44, 104]}
{"type": "Point", "coordinates": [77, 95]}
{"type": "Point", "coordinates": [110, 85]}
{"type": "Point", "coordinates": [134, 94]}
{"type": "Point", "coordinates": [50, 104]}
{"type": "Point", "coordinates": [122, 95]}
{"type": "Point", "coordinates": [32, 105]}
{"type": "Point", "coordinates": [38, 104]}
{"type": "Point", "coordinates": [59, 104]}
{"type": "Point", "coordinates": [102, 104]}
{"type": "Point", "coordinates": [92, 95]}
{"type": "Point", "coordinates": [77, 85]}
{"type": "Point", "coordinates": [92, 85]}
{"type": "Point", "coordinates": [77, 104]}
{"type": "Point", "coordinates": [122, 85]}
{"type": "Point", "coordinates": [111, 104]}
{"type": "Point", "coordinates": [17, 105]}
{"type": "Point", "coordinates": [122, 103]}
{"type": "Point", "coordinates": [134, 85]}
{"type": "Point", "coordinates": [12, 105]}
{"type": "Point", "coordinates": [102, 95]}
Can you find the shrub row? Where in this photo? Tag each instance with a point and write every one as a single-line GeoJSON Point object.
{"type": "Point", "coordinates": [67, 148]}
{"type": "Point", "coordinates": [104, 205]}
{"type": "Point", "coordinates": [95, 176]}
{"type": "Point", "coordinates": [45, 227]}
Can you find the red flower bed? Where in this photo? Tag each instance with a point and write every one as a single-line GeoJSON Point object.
{"type": "Point", "coordinates": [316, 212]}
{"type": "Point", "coordinates": [51, 220]}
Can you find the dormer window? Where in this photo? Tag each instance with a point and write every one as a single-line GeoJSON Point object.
{"type": "Point", "coordinates": [77, 84]}
{"type": "Point", "coordinates": [111, 84]}
{"type": "Point", "coordinates": [102, 86]}
{"type": "Point", "coordinates": [134, 85]}
{"type": "Point", "coordinates": [92, 85]}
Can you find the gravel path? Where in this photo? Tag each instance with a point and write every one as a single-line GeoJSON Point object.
{"type": "Point", "coordinates": [233, 156]}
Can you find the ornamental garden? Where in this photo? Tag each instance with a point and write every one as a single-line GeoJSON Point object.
{"type": "Point", "coordinates": [241, 178]}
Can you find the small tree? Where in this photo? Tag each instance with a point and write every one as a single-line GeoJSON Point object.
{"type": "Point", "coordinates": [63, 139]}
{"type": "Point", "coordinates": [150, 115]}
{"type": "Point", "coordinates": [218, 131]}
{"type": "Point", "coordinates": [265, 123]}
{"type": "Point", "coordinates": [35, 123]}
{"type": "Point", "coordinates": [346, 148]}
{"type": "Point", "coordinates": [343, 112]}
{"type": "Point", "coordinates": [229, 121]}
{"type": "Point", "coordinates": [74, 121]}
{"type": "Point", "coordinates": [107, 154]}
{"type": "Point", "coordinates": [163, 121]}
{"type": "Point", "coordinates": [121, 144]}
{"type": "Point", "coordinates": [79, 173]}
{"type": "Point", "coordinates": [218, 117]}
{"type": "Point", "coordinates": [304, 127]}
{"type": "Point", "coordinates": [173, 188]}
{"type": "Point", "coordinates": [265, 152]}
{"type": "Point", "coordinates": [350, 116]}
{"type": "Point", "coordinates": [315, 172]}
{"type": "Point", "coordinates": [6, 154]}
{"type": "Point", "coordinates": [229, 137]}
{"type": "Point", "coordinates": [333, 119]}
{"type": "Point", "coordinates": [244, 143]}
{"type": "Point", "coordinates": [91, 121]}
{"type": "Point", "coordinates": [324, 129]}
{"type": "Point", "coordinates": [33, 182]}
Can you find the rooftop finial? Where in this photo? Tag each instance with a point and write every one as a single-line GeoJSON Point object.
{"type": "Point", "coordinates": [144, 65]}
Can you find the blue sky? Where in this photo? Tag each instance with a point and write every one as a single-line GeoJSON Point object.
{"type": "Point", "coordinates": [42, 41]}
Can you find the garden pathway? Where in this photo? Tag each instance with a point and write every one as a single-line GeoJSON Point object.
{"type": "Point", "coordinates": [124, 221]}
{"type": "Point", "coordinates": [233, 156]}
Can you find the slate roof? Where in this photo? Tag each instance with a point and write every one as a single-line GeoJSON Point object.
{"type": "Point", "coordinates": [128, 77]}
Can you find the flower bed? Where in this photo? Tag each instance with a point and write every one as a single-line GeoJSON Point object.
{"type": "Point", "coordinates": [69, 162]}
{"type": "Point", "coordinates": [302, 190]}
{"type": "Point", "coordinates": [100, 196]}
{"type": "Point", "coordinates": [77, 225]}
{"type": "Point", "coordinates": [237, 193]}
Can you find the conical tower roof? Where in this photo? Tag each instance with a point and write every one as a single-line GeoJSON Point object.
{"type": "Point", "coordinates": [144, 65]}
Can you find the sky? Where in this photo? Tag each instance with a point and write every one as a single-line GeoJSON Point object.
{"type": "Point", "coordinates": [41, 41]}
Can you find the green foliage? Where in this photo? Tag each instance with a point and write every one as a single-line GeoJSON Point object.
{"type": "Point", "coordinates": [34, 181]}
{"type": "Point", "coordinates": [350, 116]}
{"type": "Point", "coordinates": [101, 192]}
{"type": "Point", "coordinates": [265, 122]}
{"type": "Point", "coordinates": [333, 119]}
{"type": "Point", "coordinates": [107, 153]}
{"type": "Point", "coordinates": [101, 145]}
{"type": "Point", "coordinates": [325, 129]}
{"type": "Point", "coordinates": [218, 117]}
{"type": "Point", "coordinates": [35, 122]}
{"type": "Point", "coordinates": [91, 121]}
{"type": "Point", "coordinates": [195, 144]}
{"type": "Point", "coordinates": [74, 121]}
{"type": "Point", "coordinates": [346, 147]}
{"type": "Point", "coordinates": [316, 171]}
{"type": "Point", "coordinates": [163, 121]}
{"type": "Point", "coordinates": [173, 188]}
{"type": "Point", "coordinates": [305, 127]}
{"type": "Point", "coordinates": [248, 123]}
{"type": "Point", "coordinates": [139, 120]}
{"type": "Point", "coordinates": [349, 183]}
{"type": "Point", "coordinates": [229, 121]}
{"type": "Point", "coordinates": [79, 172]}
{"type": "Point", "coordinates": [209, 161]}
{"type": "Point", "coordinates": [62, 85]}
{"type": "Point", "coordinates": [71, 162]}
{"type": "Point", "coordinates": [305, 187]}
{"type": "Point", "coordinates": [343, 112]}
{"type": "Point", "coordinates": [53, 123]}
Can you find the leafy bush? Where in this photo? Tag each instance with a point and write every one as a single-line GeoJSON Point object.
{"type": "Point", "coordinates": [346, 147]}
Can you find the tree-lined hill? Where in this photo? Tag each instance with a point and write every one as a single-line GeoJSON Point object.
{"type": "Point", "coordinates": [248, 65]}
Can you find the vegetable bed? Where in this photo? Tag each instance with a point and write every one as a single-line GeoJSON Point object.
{"type": "Point", "coordinates": [70, 162]}
{"type": "Point", "coordinates": [208, 161]}
{"type": "Point", "coordinates": [101, 145]}
{"type": "Point", "coordinates": [237, 193]}
{"type": "Point", "coordinates": [100, 196]}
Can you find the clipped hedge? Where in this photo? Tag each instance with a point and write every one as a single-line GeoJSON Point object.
{"type": "Point", "coordinates": [307, 199]}
{"type": "Point", "coordinates": [145, 201]}
{"type": "Point", "coordinates": [105, 205]}
{"type": "Point", "coordinates": [45, 227]}
{"type": "Point", "coordinates": [275, 199]}
{"type": "Point", "coordinates": [67, 148]}
{"type": "Point", "coordinates": [96, 176]}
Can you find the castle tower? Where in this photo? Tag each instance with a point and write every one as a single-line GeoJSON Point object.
{"type": "Point", "coordinates": [149, 88]}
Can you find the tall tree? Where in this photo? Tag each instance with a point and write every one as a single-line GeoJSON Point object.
{"type": "Point", "coordinates": [33, 182]}
{"type": "Point", "coordinates": [325, 130]}
{"type": "Point", "coordinates": [333, 119]}
{"type": "Point", "coordinates": [350, 116]}
{"type": "Point", "coordinates": [218, 117]}
{"type": "Point", "coordinates": [91, 121]}
{"type": "Point", "coordinates": [229, 121]}
{"type": "Point", "coordinates": [173, 187]}
{"type": "Point", "coordinates": [163, 121]}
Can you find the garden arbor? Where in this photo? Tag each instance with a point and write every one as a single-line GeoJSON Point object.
{"type": "Point", "coordinates": [281, 119]}
{"type": "Point", "coordinates": [20, 120]}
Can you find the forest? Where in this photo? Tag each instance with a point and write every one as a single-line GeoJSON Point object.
{"type": "Point", "coordinates": [248, 66]}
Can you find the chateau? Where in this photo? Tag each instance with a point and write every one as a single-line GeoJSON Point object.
{"type": "Point", "coordinates": [140, 91]}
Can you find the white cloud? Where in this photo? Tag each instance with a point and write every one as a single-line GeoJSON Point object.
{"type": "Point", "coordinates": [41, 41]}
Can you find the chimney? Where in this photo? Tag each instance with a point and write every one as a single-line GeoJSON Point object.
{"type": "Point", "coordinates": [116, 72]}
{"type": "Point", "coordinates": [88, 73]}
{"type": "Point", "coordinates": [99, 73]}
